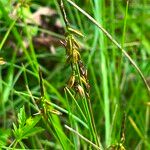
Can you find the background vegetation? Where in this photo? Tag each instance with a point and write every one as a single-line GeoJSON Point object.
{"type": "Point", "coordinates": [37, 108]}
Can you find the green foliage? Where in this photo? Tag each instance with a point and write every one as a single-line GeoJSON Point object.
{"type": "Point", "coordinates": [84, 89]}
{"type": "Point", "coordinates": [27, 126]}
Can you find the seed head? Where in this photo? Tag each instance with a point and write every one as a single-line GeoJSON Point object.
{"type": "Point", "coordinates": [71, 81]}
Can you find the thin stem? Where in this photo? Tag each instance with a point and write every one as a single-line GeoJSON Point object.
{"type": "Point", "coordinates": [61, 5]}
{"type": "Point", "coordinates": [92, 118]}
{"type": "Point", "coordinates": [125, 24]}
{"type": "Point", "coordinates": [82, 137]}
{"type": "Point", "coordinates": [7, 33]}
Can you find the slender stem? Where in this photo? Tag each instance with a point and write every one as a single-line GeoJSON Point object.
{"type": "Point", "coordinates": [7, 33]}
{"type": "Point", "coordinates": [122, 44]}
{"type": "Point", "coordinates": [82, 137]}
{"type": "Point", "coordinates": [61, 5]}
{"type": "Point", "coordinates": [114, 41]}
{"type": "Point", "coordinates": [92, 118]}
{"type": "Point", "coordinates": [125, 24]}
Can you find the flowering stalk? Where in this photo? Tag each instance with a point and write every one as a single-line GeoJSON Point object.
{"type": "Point", "coordinates": [78, 80]}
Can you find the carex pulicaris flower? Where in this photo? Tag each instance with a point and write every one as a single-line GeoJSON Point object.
{"type": "Point", "coordinates": [78, 79]}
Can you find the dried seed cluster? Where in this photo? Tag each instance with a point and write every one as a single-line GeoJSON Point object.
{"type": "Point", "coordinates": [78, 78]}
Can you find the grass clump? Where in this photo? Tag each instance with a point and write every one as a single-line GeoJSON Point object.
{"type": "Point", "coordinates": [62, 90]}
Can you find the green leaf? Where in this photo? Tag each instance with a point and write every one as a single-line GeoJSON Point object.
{"type": "Point", "coordinates": [26, 126]}
{"type": "Point", "coordinates": [15, 128]}
{"type": "Point", "coordinates": [30, 123]}
{"type": "Point", "coordinates": [22, 117]}
{"type": "Point", "coordinates": [33, 131]}
{"type": "Point", "coordinates": [17, 132]}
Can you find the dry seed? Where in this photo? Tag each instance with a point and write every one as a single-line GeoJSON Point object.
{"type": "Point", "coordinates": [56, 112]}
{"type": "Point", "coordinates": [80, 89]}
{"type": "Point", "coordinates": [2, 62]}
{"type": "Point", "coordinates": [76, 56]}
{"type": "Point", "coordinates": [71, 81]}
{"type": "Point", "coordinates": [83, 70]}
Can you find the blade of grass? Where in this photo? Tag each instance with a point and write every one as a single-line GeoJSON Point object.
{"type": "Point", "coordinates": [125, 24]}
{"type": "Point", "coordinates": [114, 118]}
{"type": "Point", "coordinates": [138, 131]}
{"type": "Point", "coordinates": [7, 33]}
{"type": "Point", "coordinates": [120, 66]}
{"type": "Point", "coordinates": [147, 121]}
{"type": "Point", "coordinates": [71, 120]}
{"type": "Point", "coordinates": [60, 134]}
{"type": "Point", "coordinates": [67, 90]}
{"type": "Point", "coordinates": [7, 89]}
{"type": "Point", "coordinates": [99, 5]}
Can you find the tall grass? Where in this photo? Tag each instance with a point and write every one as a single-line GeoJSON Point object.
{"type": "Point", "coordinates": [41, 110]}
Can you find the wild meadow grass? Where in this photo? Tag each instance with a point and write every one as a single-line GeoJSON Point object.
{"type": "Point", "coordinates": [90, 91]}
